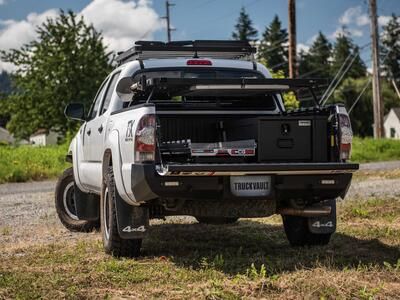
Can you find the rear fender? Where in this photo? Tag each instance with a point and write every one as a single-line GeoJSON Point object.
{"type": "Point", "coordinates": [113, 152]}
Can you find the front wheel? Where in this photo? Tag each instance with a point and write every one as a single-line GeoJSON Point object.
{"type": "Point", "coordinates": [65, 204]}
{"type": "Point", "coordinates": [112, 242]}
{"type": "Point", "coordinates": [299, 234]}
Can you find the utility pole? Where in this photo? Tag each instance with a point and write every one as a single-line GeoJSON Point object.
{"type": "Point", "coordinates": [376, 84]}
{"type": "Point", "coordinates": [168, 18]}
{"type": "Point", "coordinates": [292, 40]}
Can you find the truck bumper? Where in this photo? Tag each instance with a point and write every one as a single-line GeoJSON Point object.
{"type": "Point", "coordinates": [318, 181]}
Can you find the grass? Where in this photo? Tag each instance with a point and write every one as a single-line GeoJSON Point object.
{"type": "Point", "coordinates": [25, 163]}
{"type": "Point", "coordinates": [370, 150]}
{"type": "Point", "coordinates": [247, 260]}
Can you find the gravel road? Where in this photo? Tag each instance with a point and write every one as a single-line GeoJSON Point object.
{"type": "Point", "coordinates": [28, 217]}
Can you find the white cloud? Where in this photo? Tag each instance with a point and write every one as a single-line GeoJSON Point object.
{"type": "Point", "coordinates": [121, 23]}
{"type": "Point", "coordinates": [362, 20]}
{"type": "Point", "coordinates": [350, 23]}
{"type": "Point", "coordinates": [2, 2]}
{"type": "Point", "coordinates": [352, 32]}
{"type": "Point", "coordinates": [16, 33]}
{"type": "Point", "coordinates": [302, 47]}
{"type": "Point", "coordinates": [312, 39]}
{"type": "Point", "coordinates": [383, 20]}
{"type": "Point", "coordinates": [354, 15]}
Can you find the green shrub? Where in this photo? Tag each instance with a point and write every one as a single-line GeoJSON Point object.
{"type": "Point", "coordinates": [369, 149]}
{"type": "Point", "coordinates": [24, 163]}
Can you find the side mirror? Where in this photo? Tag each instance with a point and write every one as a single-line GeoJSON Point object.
{"type": "Point", "coordinates": [75, 111]}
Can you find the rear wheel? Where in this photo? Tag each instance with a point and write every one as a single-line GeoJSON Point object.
{"type": "Point", "coordinates": [299, 234]}
{"type": "Point", "coordinates": [113, 243]}
{"type": "Point", "coordinates": [65, 204]}
{"type": "Point", "coordinates": [217, 220]}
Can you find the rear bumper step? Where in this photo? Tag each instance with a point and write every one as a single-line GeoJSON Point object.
{"type": "Point", "coordinates": [256, 168]}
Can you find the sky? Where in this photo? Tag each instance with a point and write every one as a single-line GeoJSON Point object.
{"type": "Point", "coordinates": [124, 21]}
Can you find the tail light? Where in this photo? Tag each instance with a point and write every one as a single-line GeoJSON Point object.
{"type": "Point", "coordinates": [145, 139]}
{"type": "Point", "coordinates": [345, 134]}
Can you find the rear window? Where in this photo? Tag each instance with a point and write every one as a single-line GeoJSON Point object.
{"type": "Point", "coordinates": [215, 100]}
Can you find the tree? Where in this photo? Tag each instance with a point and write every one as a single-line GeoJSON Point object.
{"type": "Point", "coordinates": [391, 49]}
{"type": "Point", "coordinates": [316, 62]}
{"type": "Point", "coordinates": [289, 98]}
{"type": "Point", "coordinates": [5, 83]}
{"type": "Point", "coordinates": [244, 30]}
{"type": "Point", "coordinates": [361, 116]}
{"type": "Point", "coordinates": [344, 46]}
{"type": "Point", "coordinates": [67, 63]}
{"type": "Point", "coordinates": [272, 49]}
{"type": "Point", "coordinates": [5, 89]}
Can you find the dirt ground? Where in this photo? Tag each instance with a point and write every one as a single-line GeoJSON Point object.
{"type": "Point", "coordinates": [363, 260]}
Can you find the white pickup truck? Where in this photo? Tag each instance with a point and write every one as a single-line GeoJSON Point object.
{"type": "Point", "coordinates": [199, 128]}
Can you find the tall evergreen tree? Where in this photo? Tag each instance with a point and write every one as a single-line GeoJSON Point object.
{"type": "Point", "coordinates": [67, 63]}
{"type": "Point", "coordinates": [343, 47]}
{"type": "Point", "coordinates": [244, 29]}
{"type": "Point", "coordinates": [5, 89]}
{"type": "Point", "coordinates": [5, 83]}
{"type": "Point", "coordinates": [391, 49]}
{"type": "Point", "coordinates": [273, 50]}
{"type": "Point", "coordinates": [316, 62]}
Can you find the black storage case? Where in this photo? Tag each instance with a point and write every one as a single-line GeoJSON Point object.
{"type": "Point", "coordinates": [283, 138]}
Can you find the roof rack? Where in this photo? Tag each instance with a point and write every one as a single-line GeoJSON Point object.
{"type": "Point", "coordinates": [236, 86]}
{"type": "Point", "coordinates": [188, 49]}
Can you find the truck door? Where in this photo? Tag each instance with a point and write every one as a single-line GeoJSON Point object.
{"type": "Point", "coordinates": [99, 124]}
{"type": "Point", "coordinates": [88, 167]}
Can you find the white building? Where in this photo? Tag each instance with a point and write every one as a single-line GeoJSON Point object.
{"type": "Point", "coordinates": [392, 124]}
{"type": "Point", "coordinates": [5, 136]}
{"type": "Point", "coordinates": [43, 138]}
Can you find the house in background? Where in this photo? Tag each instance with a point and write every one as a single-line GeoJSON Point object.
{"type": "Point", "coordinates": [392, 124]}
{"type": "Point", "coordinates": [6, 137]}
{"type": "Point", "coordinates": [42, 137]}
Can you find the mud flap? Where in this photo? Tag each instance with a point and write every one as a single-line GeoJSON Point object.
{"type": "Point", "coordinates": [87, 205]}
{"type": "Point", "coordinates": [326, 224]}
{"type": "Point", "coordinates": [133, 221]}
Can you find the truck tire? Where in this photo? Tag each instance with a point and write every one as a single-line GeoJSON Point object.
{"type": "Point", "coordinates": [65, 204]}
{"type": "Point", "coordinates": [217, 220]}
{"type": "Point", "coordinates": [298, 233]}
{"type": "Point", "coordinates": [112, 242]}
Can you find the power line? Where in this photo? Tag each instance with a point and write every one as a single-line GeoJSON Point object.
{"type": "Point", "coordinates": [360, 95]}
{"type": "Point", "coordinates": [355, 53]}
{"type": "Point", "coordinates": [366, 85]}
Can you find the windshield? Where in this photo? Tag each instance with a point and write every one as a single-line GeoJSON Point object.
{"type": "Point", "coordinates": [214, 100]}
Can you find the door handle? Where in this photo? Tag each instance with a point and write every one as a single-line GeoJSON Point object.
{"type": "Point", "coordinates": [89, 132]}
{"type": "Point", "coordinates": [100, 129]}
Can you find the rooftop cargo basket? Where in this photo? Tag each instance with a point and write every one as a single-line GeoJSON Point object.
{"type": "Point", "coordinates": [188, 49]}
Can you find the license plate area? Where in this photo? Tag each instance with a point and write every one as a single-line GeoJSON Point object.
{"type": "Point", "coordinates": [250, 186]}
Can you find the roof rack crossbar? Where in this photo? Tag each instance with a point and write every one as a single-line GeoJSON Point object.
{"type": "Point", "coordinates": [203, 48]}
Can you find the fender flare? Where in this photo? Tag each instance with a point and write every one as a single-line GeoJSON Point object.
{"type": "Point", "coordinates": [73, 148]}
{"type": "Point", "coordinates": [112, 156]}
